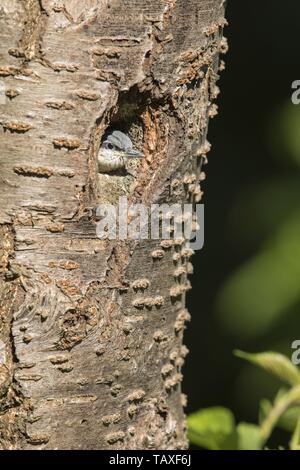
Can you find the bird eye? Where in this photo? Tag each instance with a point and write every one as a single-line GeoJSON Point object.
{"type": "Point", "coordinates": [108, 145]}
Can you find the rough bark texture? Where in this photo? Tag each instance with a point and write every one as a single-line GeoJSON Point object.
{"type": "Point", "coordinates": [91, 330]}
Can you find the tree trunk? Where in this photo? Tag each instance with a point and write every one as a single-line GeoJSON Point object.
{"type": "Point", "coordinates": [91, 330]}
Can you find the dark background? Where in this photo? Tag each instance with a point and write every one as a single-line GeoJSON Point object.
{"type": "Point", "coordinates": [249, 153]}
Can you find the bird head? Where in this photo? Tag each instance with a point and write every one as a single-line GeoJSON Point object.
{"type": "Point", "coordinates": [119, 144]}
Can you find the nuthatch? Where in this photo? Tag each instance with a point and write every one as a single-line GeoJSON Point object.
{"type": "Point", "coordinates": [116, 149]}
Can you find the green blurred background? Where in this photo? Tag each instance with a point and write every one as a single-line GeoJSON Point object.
{"type": "Point", "coordinates": [246, 285]}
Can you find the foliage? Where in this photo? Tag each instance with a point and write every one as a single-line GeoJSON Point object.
{"type": "Point", "coordinates": [215, 428]}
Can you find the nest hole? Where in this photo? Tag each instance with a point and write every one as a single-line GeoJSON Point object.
{"type": "Point", "coordinates": [127, 116]}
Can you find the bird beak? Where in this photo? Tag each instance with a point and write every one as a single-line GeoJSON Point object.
{"type": "Point", "coordinates": [134, 154]}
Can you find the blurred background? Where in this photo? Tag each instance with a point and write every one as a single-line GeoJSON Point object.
{"type": "Point", "coordinates": [246, 285]}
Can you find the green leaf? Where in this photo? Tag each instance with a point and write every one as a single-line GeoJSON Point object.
{"type": "Point", "coordinates": [287, 421]}
{"type": "Point", "coordinates": [281, 405]}
{"type": "Point", "coordinates": [249, 437]}
{"type": "Point", "coordinates": [281, 392]}
{"type": "Point", "coordinates": [265, 406]}
{"type": "Point", "coordinates": [264, 409]}
{"type": "Point", "coordinates": [275, 363]}
{"type": "Point", "coordinates": [212, 428]}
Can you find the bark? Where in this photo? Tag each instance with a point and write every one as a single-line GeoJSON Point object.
{"type": "Point", "coordinates": [91, 330]}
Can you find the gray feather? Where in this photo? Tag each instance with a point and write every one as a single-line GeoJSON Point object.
{"type": "Point", "coordinates": [120, 140]}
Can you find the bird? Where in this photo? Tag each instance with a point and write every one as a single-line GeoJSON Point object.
{"type": "Point", "coordinates": [114, 152]}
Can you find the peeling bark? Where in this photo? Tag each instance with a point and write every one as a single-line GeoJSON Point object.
{"type": "Point", "coordinates": [91, 330]}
